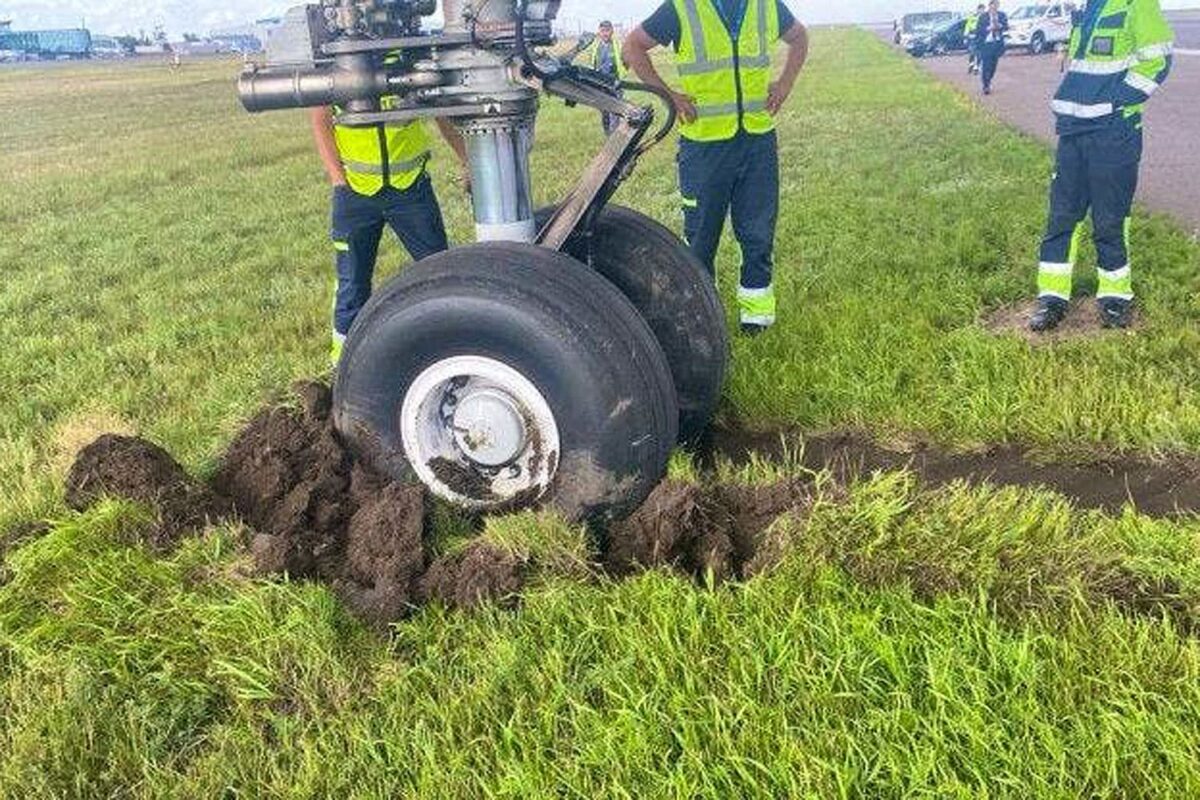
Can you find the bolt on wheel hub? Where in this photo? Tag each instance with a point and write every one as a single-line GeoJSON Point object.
{"type": "Point", "coordinates": [479, 433]}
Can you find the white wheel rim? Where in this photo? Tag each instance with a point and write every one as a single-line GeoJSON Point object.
{"type": "Point", "coordinates": [479, 434]}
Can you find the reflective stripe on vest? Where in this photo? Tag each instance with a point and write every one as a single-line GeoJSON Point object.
{"type": "Point", "coordinates": [719, 72]}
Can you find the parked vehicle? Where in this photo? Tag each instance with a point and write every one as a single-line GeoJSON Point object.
{"type": "Point", "coordinates": [1040, 28]}
{"type": "Point", "coordinates": [912, 25]}
{"type": "Point", "coordinates": [949, 37]}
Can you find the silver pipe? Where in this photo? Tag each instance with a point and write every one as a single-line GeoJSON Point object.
{"type": "Point", "coordinates": [351, 77]}
{"type": "Point", "coordinates": [501, 184]}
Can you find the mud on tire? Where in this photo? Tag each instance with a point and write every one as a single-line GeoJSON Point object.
{"type": "Point", "coordinates": [674, 293]}
{"type": "Point", "coordinates": [568, 332]}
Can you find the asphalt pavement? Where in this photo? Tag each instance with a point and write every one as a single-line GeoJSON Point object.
{"type": "Point", "coordinates": [1170, 179]}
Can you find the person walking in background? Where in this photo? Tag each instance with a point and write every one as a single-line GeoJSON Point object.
{"type": "Point", "coordinates": [604, 56]}
{"type": "Point", "coordinates": [990, 32]}
{"type": "Point", "coordinates": [969, 29]}
{"type": "Point", "coordinates": [1120, 55]}
{"type": "Point", "coordinates": [728, 152]}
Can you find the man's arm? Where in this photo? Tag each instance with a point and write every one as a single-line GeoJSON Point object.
{"type": "Point", "coordinates": [636, 53]}
{"type": "Point", "coordinates": [1154, 40]}
{"type": "Point", "coordinates": [454, 138]}
{"type": "Point", "coordinates": [322, 127]}
{"type": "Point", "coordinates": [796, 40]}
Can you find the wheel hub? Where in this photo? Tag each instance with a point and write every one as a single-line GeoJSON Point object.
{"type": "Point", "coordinates": [489, 428]}
{"type": "Point", "coordinates": [478, 433]}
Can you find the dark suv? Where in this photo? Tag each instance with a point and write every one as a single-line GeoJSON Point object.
{"type": "Point", "coordinates": [948, 37]}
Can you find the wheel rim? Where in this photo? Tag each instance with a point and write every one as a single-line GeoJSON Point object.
{"type": "Point", "coordinates": [479, 434]}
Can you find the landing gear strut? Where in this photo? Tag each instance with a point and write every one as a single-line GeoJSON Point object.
{"type": "Point", "coordinates": [557, 361]}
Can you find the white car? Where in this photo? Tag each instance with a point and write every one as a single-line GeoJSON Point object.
{"type": "Point", "coordinates": [1040, 28]}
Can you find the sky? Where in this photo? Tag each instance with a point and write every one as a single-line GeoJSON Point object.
{"type": "Point", "coordinates": [202, 16]}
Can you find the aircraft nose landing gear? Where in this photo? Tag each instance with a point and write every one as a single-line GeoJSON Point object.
{"type": "Point", "coordinates": [556, 362]}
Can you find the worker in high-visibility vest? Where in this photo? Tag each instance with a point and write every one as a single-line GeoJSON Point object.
{"type": "Point", "coordinates": [970, 26]}
{"type": "Point", "coordinates": [379, 179]}
{"type": "Point", "coordinates": [728, 152]}
{"type": "Point", "coordinates": [604, 56]}
{"type": "Point", "coordinates": [1120, 54]}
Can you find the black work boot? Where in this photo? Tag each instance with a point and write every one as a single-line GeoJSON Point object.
{"type": "Point", "coordinates": [1049, 315]}
{"type": "Point", "coordinates": [752, 329]}
{"type": "Point", "coordinates": [1115, 312]}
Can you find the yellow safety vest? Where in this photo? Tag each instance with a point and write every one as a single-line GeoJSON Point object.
{"type": "Point", "coordinates": [591, 55]}
{"type": "Point", "coordinates": [729, 80]}
{"type": "Point", "coordinates": [383, 155]}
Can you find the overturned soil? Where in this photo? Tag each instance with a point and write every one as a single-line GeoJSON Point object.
{"type": "Point", "coordinates": [319, 514]}
{"type": "Point", "coordinates": [1160, 488]}
{"type": "Point", "coordinates": [715, 534]}
{"type": "Point", "coordinates": [1082, 322]}
{"type": "Point", "coordinates": [138, 470]}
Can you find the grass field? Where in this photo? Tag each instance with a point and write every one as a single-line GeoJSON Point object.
{"type": "Point", "coordinates": [166, 270]}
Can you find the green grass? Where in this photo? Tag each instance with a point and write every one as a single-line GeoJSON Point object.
{"type": "Point", "coordinates": [129, 676]}
{"type": "Point", "coordinates": [166, 270]}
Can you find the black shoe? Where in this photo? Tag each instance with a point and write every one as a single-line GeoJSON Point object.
{"type": "Point", "coordinates": [987, 90]}
{"type": "Point", "coordinates": [1115, 313]}
{"type": "Point", "coordinates": [1049, 315]}
{"type": "Point", "coordinates": [750, 329]}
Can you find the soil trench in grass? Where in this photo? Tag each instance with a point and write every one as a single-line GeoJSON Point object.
{"type": "Point", "coordinates": [1169, 487]}
{"type": "Point", "coordinates": [319, 514]}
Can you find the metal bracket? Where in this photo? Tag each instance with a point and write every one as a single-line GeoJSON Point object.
{"type": "Point", "coordinates": [608, 169]}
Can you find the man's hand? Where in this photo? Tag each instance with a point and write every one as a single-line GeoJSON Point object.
{"type": "Point", "coordinates": [685, 106]}
{"type": "Point", "coordinates": [777, 96]}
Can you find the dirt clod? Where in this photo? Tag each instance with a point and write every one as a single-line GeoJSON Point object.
{"type": "Point", "coordinates": [135, 469]}
{"type": "Point", "coordinates": [481, 573]}
{"type": "Point", "coordinates": [712, 533]}
{"type": "Point", "coordinates": [321, 514]}
{"type": "Point", "coordinates": [316, 400]}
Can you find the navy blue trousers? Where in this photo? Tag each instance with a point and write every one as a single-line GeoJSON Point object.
{"type": "Point", "coordinates": [989, 56]}
{"type": "Point", "coordinates": [358, 223]}
{"type": "Point", "coordinates": [1098, 171]}
{"type": "Point", "coordinates": [738, 178]}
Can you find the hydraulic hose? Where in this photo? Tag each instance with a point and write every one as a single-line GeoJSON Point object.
{"type": "Point", "coordinates": [665, 130]}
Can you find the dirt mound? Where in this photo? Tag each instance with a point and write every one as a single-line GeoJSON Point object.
{"type": "Point", "coordinates": [321, 515]}
{"type": "Point", "coordinates": [138, 470]}
{"type": "Point", "coordinates": [316, 513]}
{"type": "Point", "coordinates": [715, 533]}
{"type": "Point", "coordinates": [1158, 488]}
{"type": "Point", "coordinates": [1081, 322]}
{"type": "Point", "coordinates": [481, 573]}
